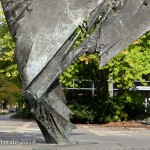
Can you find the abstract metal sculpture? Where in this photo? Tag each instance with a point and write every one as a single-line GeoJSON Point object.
{"type": "Point", "coordinates": [44, 35]}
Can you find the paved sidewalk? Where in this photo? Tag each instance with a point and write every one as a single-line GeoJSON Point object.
{"type": "Point", "coordinates": [6, 117]}
{"type": "Point", "coordinates": [25, 135]}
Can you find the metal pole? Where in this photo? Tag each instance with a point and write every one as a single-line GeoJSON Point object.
{"type": "Point", "coordinates": [93, 89]}
{"type": "Point", "coordinates": [73, 83]}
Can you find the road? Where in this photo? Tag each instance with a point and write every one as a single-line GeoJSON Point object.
{"type": "Point", "coordinates": [25, 135]}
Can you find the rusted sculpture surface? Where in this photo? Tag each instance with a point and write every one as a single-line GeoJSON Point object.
{"type": "Point", "coordinates": [44, 35]}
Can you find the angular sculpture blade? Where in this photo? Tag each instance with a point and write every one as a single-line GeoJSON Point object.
{"type": "Point", "coordinates": [44, 28]}
{"type": "Point", "coordinates": [41, 29]}
{"type": "Point", "coordinates": [123, 28]}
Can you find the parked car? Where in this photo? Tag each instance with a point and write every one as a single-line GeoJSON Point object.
{"type": "Point", "coordinates": [12, 110]}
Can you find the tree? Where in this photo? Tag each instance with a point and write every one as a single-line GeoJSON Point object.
{"type": "Point", "coordinates": [10, 81]}
{"type": "Point", "coordinates": [8, 65]}
{"type": "Point", "coordinates": [9, 92]}
{"type": "Point", "coordinates": [84, 68]}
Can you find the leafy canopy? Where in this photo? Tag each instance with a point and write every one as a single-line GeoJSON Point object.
{"type": "Point", "coordinates": [10, 82]}
{"type": "Point", "coordinates": [8, 65]}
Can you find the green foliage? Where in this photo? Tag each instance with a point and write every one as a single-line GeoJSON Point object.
{"type": "Point", "coordinates": [82, 113]}
{"type": "Point", "coordinates": [84, 68]}
{"type": "Point", "coordinates": [110, 110]}
{"type": "Point", "coordinates": [8, 91]}
{"type": "Point", "coordinates": [132, 104]}
{"type": "Point", "coordinates": [8, 65]}
{"type": "Point", "coordinates": [126, 107]}
{"type": "Point", "coordinates": [107, 109]}
{"type": "Point", "coordinates": [97, 110]}
{"type": "Point", "coordinates": [10, 81]}
{"type": "Point", "coordinates": [81, 36]}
